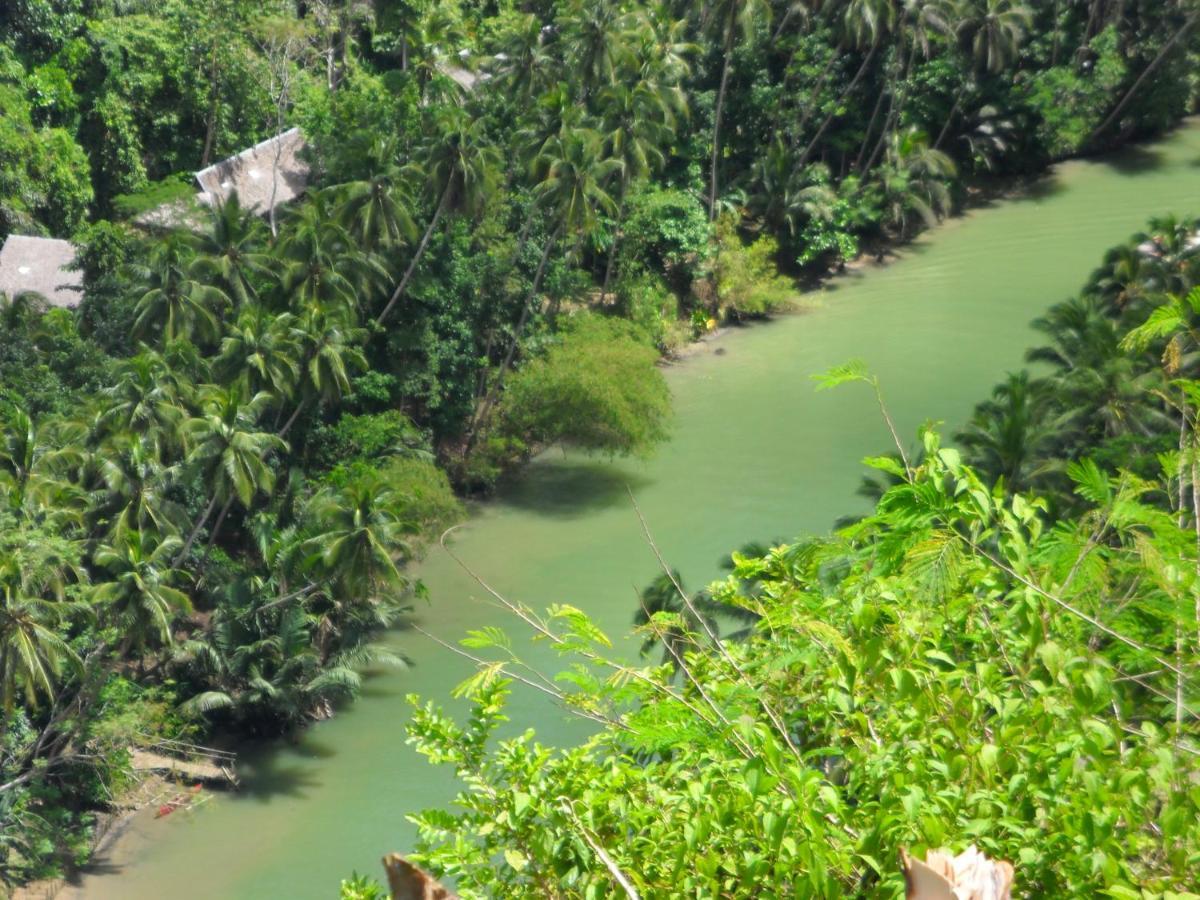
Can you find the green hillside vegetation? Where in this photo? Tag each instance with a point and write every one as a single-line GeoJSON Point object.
{"type": "Point", "coordinates": [214, 472]}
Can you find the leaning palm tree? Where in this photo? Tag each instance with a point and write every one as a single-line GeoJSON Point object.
{"type": "Point", "coordinates": [32, 654]}
{"type": "Point", "coordinates": [228, 447]}
{"type": "Point", "coordinates": [139, 598]}
{"type": "Point", "coordinates": [460, 165]}
{"type": "Point", "coordinates": [729, 19]}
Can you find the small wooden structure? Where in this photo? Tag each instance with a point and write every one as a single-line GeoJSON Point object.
{"type": "Point", "coordinates": [186, 761]}
{"type": "Point", "coordinates": [39, 265]}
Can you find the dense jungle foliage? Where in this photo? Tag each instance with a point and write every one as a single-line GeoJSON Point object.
{"type": "Point", "coordinates": [215, 469]}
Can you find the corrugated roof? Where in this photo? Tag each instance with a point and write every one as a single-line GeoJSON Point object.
{"type": "Point", "coordinates": [250, 174]}
{"type": "Point", "coordinates": [39, 264]}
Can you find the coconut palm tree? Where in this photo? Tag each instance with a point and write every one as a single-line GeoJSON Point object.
{"type": "Point", "coordinates": [227, 446]}
{"type": "Point", "coordinates": [232, 255]}
{"type": "Point", "coordinates": [1014, 434]}
{"type": "Point", "coordinates": [638, 123]}
{"type": "Point", "coordinates": [134, 489]}
{"type": "Point", "coordinates": [915, 180]}
{"type": "Point", "coordinates": [521, 64]}
{"type": "Point", "coordinates": [268, 676]}
{"type": "Point", "coordinates": [148, 396]}
{"type": "Point", "coordinates": [32, 654]}
{"type": "Point", "coordinates": [175, 304]}
{"type": "Point", "coordinates": [33, 470]}
{"type": "Point", "coordinates": [460, 166]}
{"type": "Point", "coordinates": [786, 196]}
{"type": "Point", "coordinates": [331, 349]}
{"type": "Point", "coordinates": [359, 532]}
{"type": "Point", "coordinates": [138, 598]}
{"type": "Point", "coordinates": [994, 29]}
{"type": "Point", "coordinates": [322, 265]}
{"type": "Point", "coordinates": [263, 351]}
{"type": "Point", "coordinates": [375, 209]}
{"type": "Point", "coordinates": [598, 36]}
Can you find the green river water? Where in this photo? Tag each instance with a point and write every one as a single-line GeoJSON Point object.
{"type": "Point", "coordinates": [755, 454]}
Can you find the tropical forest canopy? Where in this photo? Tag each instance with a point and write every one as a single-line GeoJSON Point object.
{"type": "Point", "coordinates": [215, 469]}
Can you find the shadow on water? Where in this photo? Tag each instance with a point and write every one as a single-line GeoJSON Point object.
{"type": "Point", "coordinates": [1135, 160]}
{"type": "Point", "coordinates": [265, 774]}
{"type": "Point", "coordinates": [569, 489]}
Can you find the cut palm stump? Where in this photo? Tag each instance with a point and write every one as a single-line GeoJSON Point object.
{"type": "Point", "coordinates": [968, 876]}
{"type": "Point", "coordinates": [407, 882]}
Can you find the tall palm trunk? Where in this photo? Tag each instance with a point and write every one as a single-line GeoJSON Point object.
{"type": "Point", "coordinates": [895, 106]}
{"type": "Point", "coordinates": [212, 535]}
{"type": "Point", "coordinates": [949, 120]}
{"type": "Point", "coordinates": [616, 246]}
{"type": "Point", "coordinates": [1154, 64]}
{"type": "Point", "coordinates": [210, 127]}
{"type": "Point", "coordinates": [412, 265]}
{"type": "Point", "coordinates": [494, 392]}
{"type": "Point", "coordinates": [862, 149]}
{"type": "Point", "coordinates": [191, 538]}
{"type": "Point", "coordinates": [287, 426]}
{"type": "Point", "coordinates": [862, 70]}
{"type": "Point", "coordinates": [716, 142]}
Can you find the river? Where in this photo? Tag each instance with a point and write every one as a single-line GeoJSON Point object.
{"type": "Point", "coordinates": [755, 454]}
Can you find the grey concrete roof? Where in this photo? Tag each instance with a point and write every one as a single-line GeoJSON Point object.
{"type": "Point", "coordinates": [39, 264]}
{"type": "Point", "coordinates": [250, 174]}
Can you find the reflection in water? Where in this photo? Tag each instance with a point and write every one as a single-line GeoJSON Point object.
{"type": "Point", "coordinates": [755, 452]}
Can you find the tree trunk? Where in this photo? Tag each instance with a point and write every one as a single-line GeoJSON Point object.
{"type": "Point", "coordinates": [210, 127]}
{"type": "Point", "coordinates": [212, 535]}
{"type": "Point", "coordinates": [862, 70]}
{"type": "Point", "coordinates": [862, 150]}
{"type": "Point", "coordinates": [191, 538]}
{"type": "Point", "coordinates": [412, 265]}
{"type": "Point", "coordinates": [1154, 64]}
{"type": "Point", "coordinates": [292, 418]}
{"type": "Point", "coordinates": [949, 119]}
{"type": "Point", "coordinates": [716, 148]}
{"type": "Point", "coordinates": [615, 249]}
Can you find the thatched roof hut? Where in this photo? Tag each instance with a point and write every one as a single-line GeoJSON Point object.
{"type": "Point", "coordinates": [40, 265]}
{"type": "Point", "coordinates": [250, 174]}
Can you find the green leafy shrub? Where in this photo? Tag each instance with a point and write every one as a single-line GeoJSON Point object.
{"type": "Point", "coordinates": [598, 388]}
{"type": "Point", "coordinates": [748, 282]}
{"type": "Point", "coordinates": [923, 678]}
{"type": "Point", "coordinates": [366, 437]}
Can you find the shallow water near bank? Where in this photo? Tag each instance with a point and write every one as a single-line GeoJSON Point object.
{"type": "Point", "coordinates": [755, 455]}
